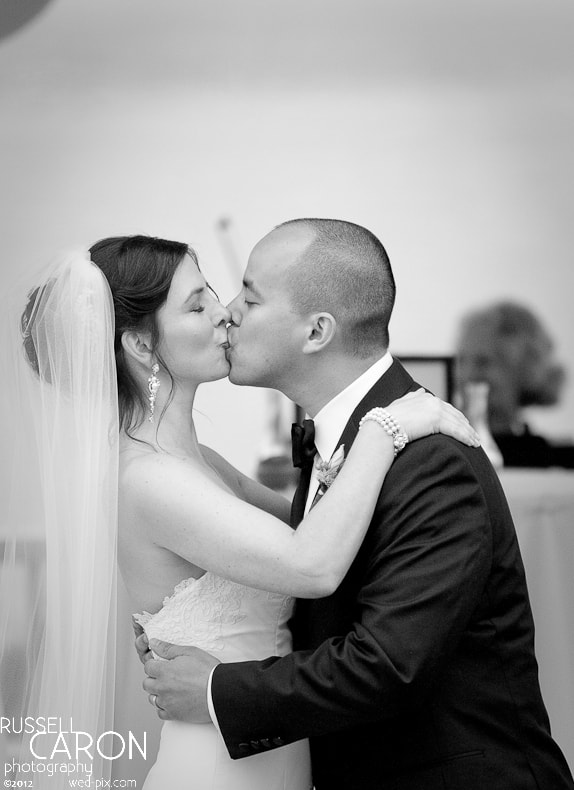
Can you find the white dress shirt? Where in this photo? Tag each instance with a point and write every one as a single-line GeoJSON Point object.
{"type": "Point", "coordinates": [330, 423]}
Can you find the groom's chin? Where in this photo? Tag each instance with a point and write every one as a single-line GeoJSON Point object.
{"type": "Point", "coordinates": [234, 376]}
{"type": "Point", "coordinates": [241, 378]}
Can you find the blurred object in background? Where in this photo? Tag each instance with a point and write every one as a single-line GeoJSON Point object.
{"type": "Point", "coordinates": [275, 468]}
{"type": "Point", "coordinates": [475, 403]}
{"type": "Point", "coordinates": [433, 371]}
{"type": "Point", "coordinates": [14, 14]}
{"type": "Point", "coordinates": [225, 232]}
{"type": "Point", "coordinates": [506, 347]}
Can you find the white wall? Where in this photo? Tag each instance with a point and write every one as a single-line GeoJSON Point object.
{"type": "Point", "coordinates": [140, 119]}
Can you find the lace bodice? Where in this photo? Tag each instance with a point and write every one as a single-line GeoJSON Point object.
{"type": "Point", "coordinates": [229, 620]}
{"type": "Point", "coordinates": [234, 623]}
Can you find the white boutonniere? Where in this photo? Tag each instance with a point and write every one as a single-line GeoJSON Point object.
{"type": "Point", "coordinates": [327, 471]}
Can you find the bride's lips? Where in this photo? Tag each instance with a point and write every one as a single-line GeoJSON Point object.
{"type": "Point", "coordinates": [224, 340]}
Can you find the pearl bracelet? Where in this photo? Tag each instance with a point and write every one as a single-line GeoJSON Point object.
{"type": "Point", "coordinates": [389, 425]}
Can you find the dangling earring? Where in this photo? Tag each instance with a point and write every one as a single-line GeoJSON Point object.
{"type": "Point", "coordinates": [153, 385]}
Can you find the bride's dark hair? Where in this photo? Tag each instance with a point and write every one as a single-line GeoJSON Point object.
{"type": "Point", "coordinates": [139, 270]}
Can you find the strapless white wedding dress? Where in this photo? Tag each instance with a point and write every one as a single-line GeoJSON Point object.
{"type": "Point", "coordinates": [233, 623]}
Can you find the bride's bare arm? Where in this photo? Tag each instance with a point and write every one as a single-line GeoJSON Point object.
{"type": "Point", "coordinates": [215, 530]}
{"type": "Point", "coordinates": [250, 490]}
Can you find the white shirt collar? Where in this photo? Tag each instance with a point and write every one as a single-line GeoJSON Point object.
{"type": "Point", "coordinates": [331, 420]}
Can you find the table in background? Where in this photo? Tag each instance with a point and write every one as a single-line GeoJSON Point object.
{"type": "Point", "coordinates": [542, 505]}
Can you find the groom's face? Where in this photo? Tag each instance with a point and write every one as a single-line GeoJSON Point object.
{"type": "Point", "coordinates": [266, 341]}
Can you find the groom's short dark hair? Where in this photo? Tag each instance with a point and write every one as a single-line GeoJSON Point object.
{"type": "Point", "coordinates": [346, 271]}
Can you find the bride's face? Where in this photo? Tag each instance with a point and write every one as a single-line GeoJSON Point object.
{"type": "Point", "coordinates": [193, 328]}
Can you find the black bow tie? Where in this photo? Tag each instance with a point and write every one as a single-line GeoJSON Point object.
{"type": "Point", "coordinates": [303, 444]}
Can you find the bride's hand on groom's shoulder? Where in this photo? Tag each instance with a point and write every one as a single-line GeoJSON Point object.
{"type": "Point", "coordinates": [177, 681]}
{"type": "Point", "coordinates": [420, 414]}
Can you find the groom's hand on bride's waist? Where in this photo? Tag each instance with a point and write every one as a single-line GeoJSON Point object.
{"type": "Point", "coordinates": [142, 646]}
{"type": "Point", "coordinates": [141, 643]}
{"type": "Point", "coordinates": [178, 686]}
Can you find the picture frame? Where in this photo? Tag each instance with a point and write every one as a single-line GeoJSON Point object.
{"type": "Point", "coordinates": [434, 372]}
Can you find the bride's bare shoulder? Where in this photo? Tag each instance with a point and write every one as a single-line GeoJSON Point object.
{"type": "Point", "coordinates": [145, 473]}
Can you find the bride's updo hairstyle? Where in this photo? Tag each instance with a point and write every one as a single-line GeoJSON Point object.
{"type": "Point", "coordinates": [139, 270]}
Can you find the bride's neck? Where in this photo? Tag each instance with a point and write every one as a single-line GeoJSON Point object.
{"type": "Point", "coordinates": [171, 431]}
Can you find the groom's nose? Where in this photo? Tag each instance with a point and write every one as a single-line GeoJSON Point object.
{"type": "Point", "coordinates": [235, 312]}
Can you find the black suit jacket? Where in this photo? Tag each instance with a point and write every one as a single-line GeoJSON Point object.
{"type": "Point", "coordinates": [419, 671]}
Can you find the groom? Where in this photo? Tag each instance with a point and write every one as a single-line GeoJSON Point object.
{"type": "Point", "coordinates": [418, 672]}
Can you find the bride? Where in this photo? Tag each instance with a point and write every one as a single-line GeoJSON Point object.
{"type": "Point", "coordinates": [116, 342]}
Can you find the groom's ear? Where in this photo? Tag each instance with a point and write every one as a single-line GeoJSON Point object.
{"type": "Point", "coordinates": [137, 345]}
{"type": "Point", "coordinates": [319, 332]}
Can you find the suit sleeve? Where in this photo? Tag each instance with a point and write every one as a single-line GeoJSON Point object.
{"type": "Point", "coordinates": [429, 555]}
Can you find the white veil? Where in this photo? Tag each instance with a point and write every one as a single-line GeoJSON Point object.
{"type": "Point", "coordinates": [58, 526]}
